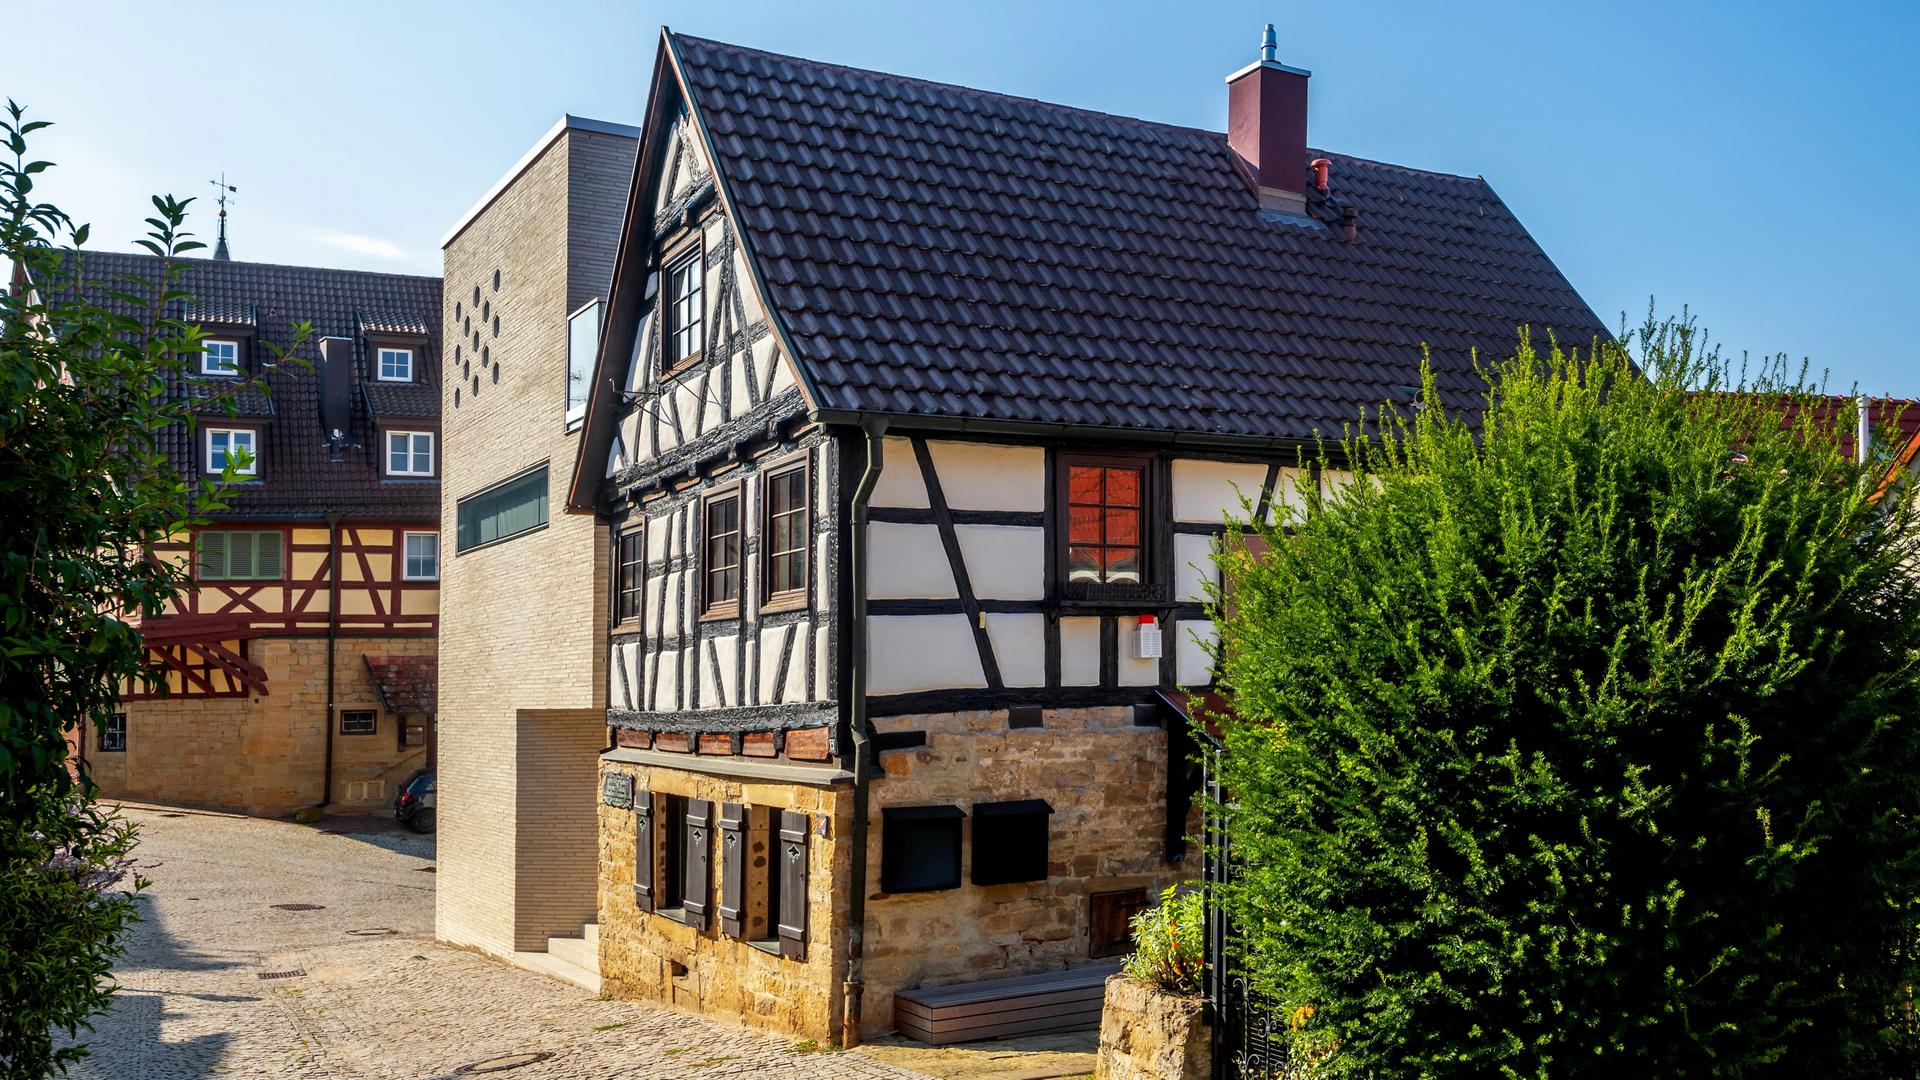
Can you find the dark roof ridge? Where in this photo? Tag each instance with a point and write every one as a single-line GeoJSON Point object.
{"type": "Point", "coordinates": [201, 261]}
{"type": "Point", "coordinates": [1057, 106]}
{"type": "Point", "coordinates": [936, 84]}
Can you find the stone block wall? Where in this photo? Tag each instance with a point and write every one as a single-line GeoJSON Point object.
{"type": "Point", "coordinates": [1105, 778]}
{"type": "Point", "coordinates": [651, 957]}
{"type": "Point", "coordinates": [266, 755]}
{"type": "Point", "coordinates": [1147, 1033]}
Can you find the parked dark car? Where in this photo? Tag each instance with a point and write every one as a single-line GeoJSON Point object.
{"type": "Point", "coordinates": [413, 807]}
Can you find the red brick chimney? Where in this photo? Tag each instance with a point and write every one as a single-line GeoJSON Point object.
{"type": "Point", "coordinates": [1267, 126]}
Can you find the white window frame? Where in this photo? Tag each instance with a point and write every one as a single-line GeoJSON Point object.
{"type": "Point", "coordinates": [252, 468]}
{"type": "Point", "coordinates": [380, 364]}
{"type": "Point", "coordinates": [406, 556]}
{"type": "Point", "coordinates": [386, 457]}
{"type": "Point", "coordinates": [230, 370]}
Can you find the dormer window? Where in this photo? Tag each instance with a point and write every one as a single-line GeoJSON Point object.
{"type": "Point", "coordinates": [409, 453]}
{"type": "Point", "coordinates": [396, 365]}
{"type": "Point", "coordinates": [237, 445]}
{"type": "Point", "coordinates": [219, 356]}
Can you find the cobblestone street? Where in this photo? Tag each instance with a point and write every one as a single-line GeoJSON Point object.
{"type": "Point", "coordinates": [205, 989]}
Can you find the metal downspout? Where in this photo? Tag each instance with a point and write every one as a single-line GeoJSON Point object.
{"type": "Point", "coordinates": [333, 636]}
{"type": "Point", "coordinates": [862, 746]}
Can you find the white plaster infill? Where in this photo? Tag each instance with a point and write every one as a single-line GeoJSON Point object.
{"type": "Point", "coordinates": [768, 771]}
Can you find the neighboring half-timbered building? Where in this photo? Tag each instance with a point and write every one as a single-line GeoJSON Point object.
{"type": "Point", "coordinates": [297, 669]}
{"type": "Point", "coordinates": [917, 413]}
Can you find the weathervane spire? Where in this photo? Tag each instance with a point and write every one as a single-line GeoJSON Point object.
{"type": "Point", "coordinates": [226, 190]}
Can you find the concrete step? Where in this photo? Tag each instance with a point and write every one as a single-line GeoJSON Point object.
{"type": "Point", "coordinates": [554, 967]}
{"type": "Point", "coordinates": [577, 951]}
{"type": "Point", "coordinates": [591, 932]}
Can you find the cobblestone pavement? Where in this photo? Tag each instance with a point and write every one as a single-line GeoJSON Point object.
{"type": "Point", "coordinates": [378, 997]}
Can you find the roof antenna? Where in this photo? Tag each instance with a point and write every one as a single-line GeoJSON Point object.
{"type": "Point", "coordinates": [1269, 46]}
{"type": "Point", "coordinates": [225, 189]}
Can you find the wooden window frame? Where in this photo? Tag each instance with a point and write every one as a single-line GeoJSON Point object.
{"type": "Point", "coordinates": [789, 599]}
{"type": "Point", "coordinates": [373, 730]}
{"type": "Point", "coordinates": [1152, 587]}
{"type": "Point", "coordinates": [252, 471]}
{"type": "Point", "coordinates": [379, 363]}
{"type": "Point", "coordinates": [638, 588]}
{"type": "Point", "coordinates": [694, 249]}
{"type": "Point", "coordinates": [711, 609]}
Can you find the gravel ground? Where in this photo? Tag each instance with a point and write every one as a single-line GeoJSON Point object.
{"type": "Point", "coordinates": [373, 995]}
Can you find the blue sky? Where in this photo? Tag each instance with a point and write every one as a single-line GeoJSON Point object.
{"type": "Point", "coordinates": [1758, 162]}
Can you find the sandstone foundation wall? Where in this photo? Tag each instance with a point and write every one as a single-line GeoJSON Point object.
{"type": "Point", "coordinates": [649, 956]}
{"type": "Point", "coordinates": [266, 755]}
{"type": "Point", "coordinates": [1105, 778]}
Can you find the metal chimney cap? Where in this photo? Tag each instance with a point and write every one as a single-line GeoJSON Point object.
{"type": "Point", "coordinates": [1269, 45]}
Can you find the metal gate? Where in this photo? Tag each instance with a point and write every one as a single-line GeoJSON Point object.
{"type": "Point", "coordinates": [1248, 1042]}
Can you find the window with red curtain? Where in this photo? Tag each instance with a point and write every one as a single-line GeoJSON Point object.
{"type": "Point", "coordinates": [1106, 522]}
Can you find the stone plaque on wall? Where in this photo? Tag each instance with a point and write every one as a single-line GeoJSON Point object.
{"type": "Point", "coordinates": [616, 789]}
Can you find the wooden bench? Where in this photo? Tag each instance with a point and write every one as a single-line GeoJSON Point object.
{"type": "Point", "coordinates": [1023, 1005]}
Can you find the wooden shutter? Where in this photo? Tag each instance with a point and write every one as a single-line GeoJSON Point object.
{"type": "Point", "coordinates": [698, 884]}
{"type": "Point", "coordinates": [733, 869]}
{"type": "Point", "coordinates": [266, 556]}
{"type": "Point", "coordinates": [792, 855]}
{"type": "Point", "coordinates": [645, 804]}
{"type": "Point", "coordinates": [240, 554]}
{"type": "Point", "coordinates": [213, 556]}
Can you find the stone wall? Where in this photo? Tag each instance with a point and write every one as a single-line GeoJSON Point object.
{"type": "Point", "coordinates": [1149, 1034]}
{"type": "Point", "coordinates": [523, 620]}
{"type": "Point", "coordinates": [267, 755]}
{"type": "Point", "coordinates": [1105, 778]}
{"type": "Point", "coordinates": [652, 957]}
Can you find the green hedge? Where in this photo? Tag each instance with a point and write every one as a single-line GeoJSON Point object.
{"type": "Point", "coordinates": [1585, 743]}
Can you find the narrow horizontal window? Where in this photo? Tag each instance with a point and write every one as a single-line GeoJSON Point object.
{"type": "Point", "coordinates": [359, 722]}
{"type": "Point", "coordinates": [507, 509]}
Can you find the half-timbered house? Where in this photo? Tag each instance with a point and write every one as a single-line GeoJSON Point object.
{"type": "Point", "coordinates": [916, 415]}
{"type": "Point", "coordinates": [297, 668]}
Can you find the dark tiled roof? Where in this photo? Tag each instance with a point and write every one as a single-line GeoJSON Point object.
{"type": "Point", "coordinates": [219, 312]}
{"type": "Point", "coordinates": [216, 397]}
{"type": "Point", "coordinates": [938, 250]}
{"type": "Point", "coordinates": [390, 323]}
{"type": "Point", "coordinates": [417, 400]}
{"type": "Point", "coordinates": [408, 685]}
{"type": "Point", "coordinates": [298, 475]}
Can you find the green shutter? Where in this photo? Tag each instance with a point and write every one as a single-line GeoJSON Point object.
{"type": "Point", "coordinates": [213, 556]}
{"type": "Point", "coordinates": [240, 555]}
{"type": "Point", "coordinates": [266, 556]}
